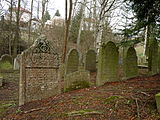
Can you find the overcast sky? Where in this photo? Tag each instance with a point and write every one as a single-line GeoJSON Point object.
{"type": "Point", "coordinates": [60, 4]}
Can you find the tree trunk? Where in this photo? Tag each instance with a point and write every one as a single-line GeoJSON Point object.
{"type": "Point", "coordinates": [67, 25]}
{"type": "Point", "coordinates": [30, 22]}
{"type": "Point", "coordinates": [81, 25]}
{"type": "Point", "coordinates": [10, 36]}
{"type": "Point", "coordinates": [16, 39]}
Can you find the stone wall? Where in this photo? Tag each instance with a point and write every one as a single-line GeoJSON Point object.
{"type": "Point", "coordinates": [107, 63]}
{"type": "Point", "coordinates": [38, 72]}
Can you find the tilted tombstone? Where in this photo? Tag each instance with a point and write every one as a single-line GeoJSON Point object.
{"type": "Point", "coordinates": [72, 62]}
{"type": "Point", "coordinates": [90, 61]}
{"type": "Point", "coordinates": [130, 63]}
{"type": "Point", "coordinates": [16, 62]}
{"type": "Point", "coordinates": [38, 72]}
{"type": "Point", "coordinates": [107, 63]}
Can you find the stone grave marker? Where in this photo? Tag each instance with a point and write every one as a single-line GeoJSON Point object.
{"type": "Point", "coordinates": [17, 62]}
{"type": "Point", "coordinates": [107, 64]}
{"type": "Point", "coordinates": [90, 61]}
{"type": "Point", "coordinates": [38, 72]}
{"type": "Point", "coordinates": [130, 63]}
{"type": "Point", "coordinates": [72, 61]}
{"type": "Point", "coordinates": [153, 57]}
{"type": "Point", "coordinates": [6, 57]}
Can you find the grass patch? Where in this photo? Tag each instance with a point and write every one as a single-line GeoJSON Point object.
{"type": "Point", "coordinates": [78, 85]}
{"type": "Point", "coordinates": [6, 65]}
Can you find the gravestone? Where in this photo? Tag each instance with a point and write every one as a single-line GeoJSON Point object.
{"type": "Point", "coordinates": [130, 63]}
{"type": "Point", "coordinates": [16, 63]}
{"type": "Point", "coordinates": [38, 72]}
{"type": "Point", "coordinates": [7, 58]}
{"type": "Point", "coordinates": [77, 80]}
{"type": "Point", "coordinates": [90, 61]}
{"type": "Point", "coordinates": [6, 62]}
{"type": "Point", "coordinates": [107, 63]}
{"type": "Point", "coordinates": [72, 61]}
{"type": "Point", "coordinates": [153, 57]}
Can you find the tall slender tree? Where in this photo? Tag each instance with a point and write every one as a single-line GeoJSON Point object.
{"type": "Point", "coordinates": [17, 34]}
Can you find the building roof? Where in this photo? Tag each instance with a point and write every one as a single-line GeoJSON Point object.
{"type": "Point", "coordinates": [22, 10]}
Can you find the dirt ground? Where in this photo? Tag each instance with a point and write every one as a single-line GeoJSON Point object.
{"type": "Point", "coordinates": [126, 100]}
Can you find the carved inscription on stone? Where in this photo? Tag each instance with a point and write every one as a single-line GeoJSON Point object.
{"type": "Point", "coordinates": [38, 72]}
{"type": "Point", "coordinates": [40, 83]}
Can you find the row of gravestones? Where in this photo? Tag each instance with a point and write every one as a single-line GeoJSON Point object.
{"type": "Point", "coordinates": [40, 66]}
{"type": "Point", "coordinates": [75, 74]}
{"type": "Point", "coordinates": [108, 65]}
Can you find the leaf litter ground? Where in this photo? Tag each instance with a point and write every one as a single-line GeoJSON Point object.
{"type": "Point", "coordinates": [126, 100]}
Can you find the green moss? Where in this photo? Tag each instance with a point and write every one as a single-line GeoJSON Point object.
{"type": "Point", "coordinates": [78, 85]}
{"type": "Point", "coordinates": [130, 63]}
{"type": "Point", "coordinates": [4, 107]}
{"type": "Point", "coordinates": [83, 112]}
{"type": "Point", "coordinates": [5, 65]}
{"type": "Point", "coordinates": [157, 95]}
{"type": "Point", "coordinates": [112, 99]}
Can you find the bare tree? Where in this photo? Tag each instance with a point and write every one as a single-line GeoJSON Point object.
{"type": "Point", "coordinates": [30, 21]}
{"type": "Point", "coordinates": [67, 26]}
{"type": "Point", "coordinates": [16, 39]}
{"type": "Point", "coordinates": [105, 7]}
{"type": "Point", "coordinates": [81, 23]}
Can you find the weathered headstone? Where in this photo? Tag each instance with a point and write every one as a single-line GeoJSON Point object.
{"type": "Point", "coordinates": [38, 72]}
{"type": "Point", "coordinates": [76, 80]}
{"type": "Point", "coordinates": [130, 63]}
{"type": "Point", "coordinates": [72, 61]}
{"type": "Point", "coordinates": [153, 57]}
{"type": "Point", "coordinates": [6, 57]}
{"type": "Point", "coordinates": [6, 62]}
{"type": "Point", "coordinates": [107, 63]}
{"type": "Point", "coordinates": [16, 63]}
{"type": "Point", "coordinates": [90, 61]}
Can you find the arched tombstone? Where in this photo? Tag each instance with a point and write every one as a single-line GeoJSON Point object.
{"type": "Point", "coordinates": [7, 58]}
{"type": "Point", "coordinates": [39, 76]}
{"type": "Point", "coordinates": [107, 63]}
{"type": "Point", "coordinates": [130, 63]}
{"type": "Point", "coordinates": [6, 62]}
{"type": "Point", "coordinates": [72, 62]}
{"type": "Point", "coordinates": [90, 61]}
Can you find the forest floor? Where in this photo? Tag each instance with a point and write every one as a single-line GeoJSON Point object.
{"type": "Point", "coordinates": [133, 99]}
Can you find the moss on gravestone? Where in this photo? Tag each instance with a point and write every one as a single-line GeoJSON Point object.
{"type": "Point", "coordinates": [78, 85]}
{"type": "Point", "coordinates": [5, 65]}
{"type": "Point", "coordinates": [153, 57]}
{"type": "Point", "coordinates": [130, 63]}
{"type": "Point", "coordinates": [90, 61]}
{"type": "Point", "coordinates": [72, 61]}
{"type": "Point", "coordinates": [108, 63]}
